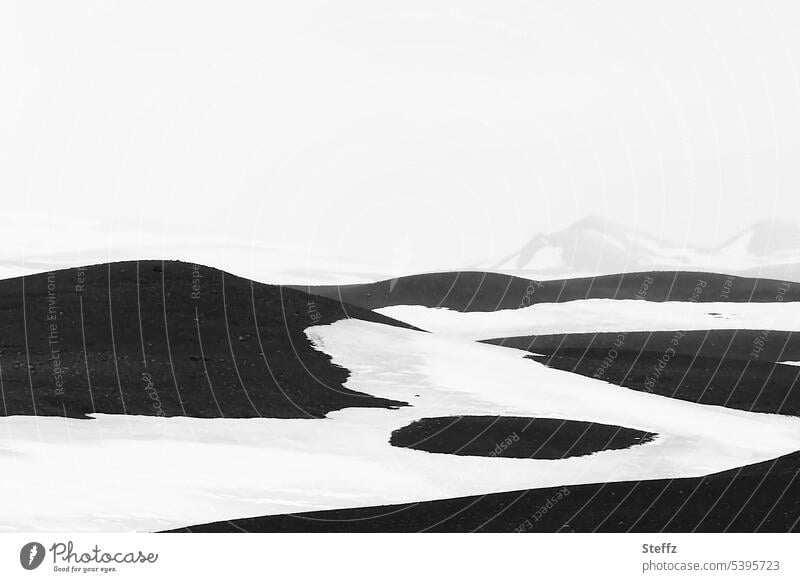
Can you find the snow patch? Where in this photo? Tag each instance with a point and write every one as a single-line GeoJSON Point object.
{"type": "Point", "coordinates": [598, 316]}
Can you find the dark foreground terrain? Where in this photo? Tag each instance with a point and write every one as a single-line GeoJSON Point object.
{"type": "Point", "coordinates": [758, 498]}
{"type": "Point", "coordinates": [482, 291]}
{"type": "Point", "coordinates": [169, 339]}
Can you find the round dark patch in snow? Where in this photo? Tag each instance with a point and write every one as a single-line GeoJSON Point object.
{"type": "Point", "coordinates": [516, 437]}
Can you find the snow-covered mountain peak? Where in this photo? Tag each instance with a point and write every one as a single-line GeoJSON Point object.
{"type": "Point", "coordinates": [597, 246]}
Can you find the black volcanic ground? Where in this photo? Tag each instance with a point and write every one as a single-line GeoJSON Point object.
{"type": "Point", "coordinates": [731, 344]}
{"type": "Point", "coordinates": [167, 338]}
{"type": "Point", "coordinates": [764, 497]}
{"type": "Point", "coordinates": [732, 368]}
{"type": "Point", "coordinates": [515, 437]}
{"type": "Point", "coordinates": [480, 291]}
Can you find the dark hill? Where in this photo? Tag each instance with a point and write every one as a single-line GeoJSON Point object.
{"type": "Point", "coordinates": [732, 368]}
{"type": "Point", "coordinates": [168, 338]}
{"type": "Point", "coordinates": [730, 344]}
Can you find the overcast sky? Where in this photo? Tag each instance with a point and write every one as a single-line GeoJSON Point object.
{"type": "Point", "coordinates": [447, 129]}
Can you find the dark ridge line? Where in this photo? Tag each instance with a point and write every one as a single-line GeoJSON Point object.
{"type": "Point", "coordinates": [715, 367]}
{"type": "Point", "coordinates": [731, 344]}
{"type": "Point", "coordinates": [487, 291]}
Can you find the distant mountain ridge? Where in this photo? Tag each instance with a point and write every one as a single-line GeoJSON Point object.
{"type": "Point", "coordinates": [595, 246]}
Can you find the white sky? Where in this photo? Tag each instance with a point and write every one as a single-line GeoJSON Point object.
{"type": "Point", "coordinates": [397, 132]}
